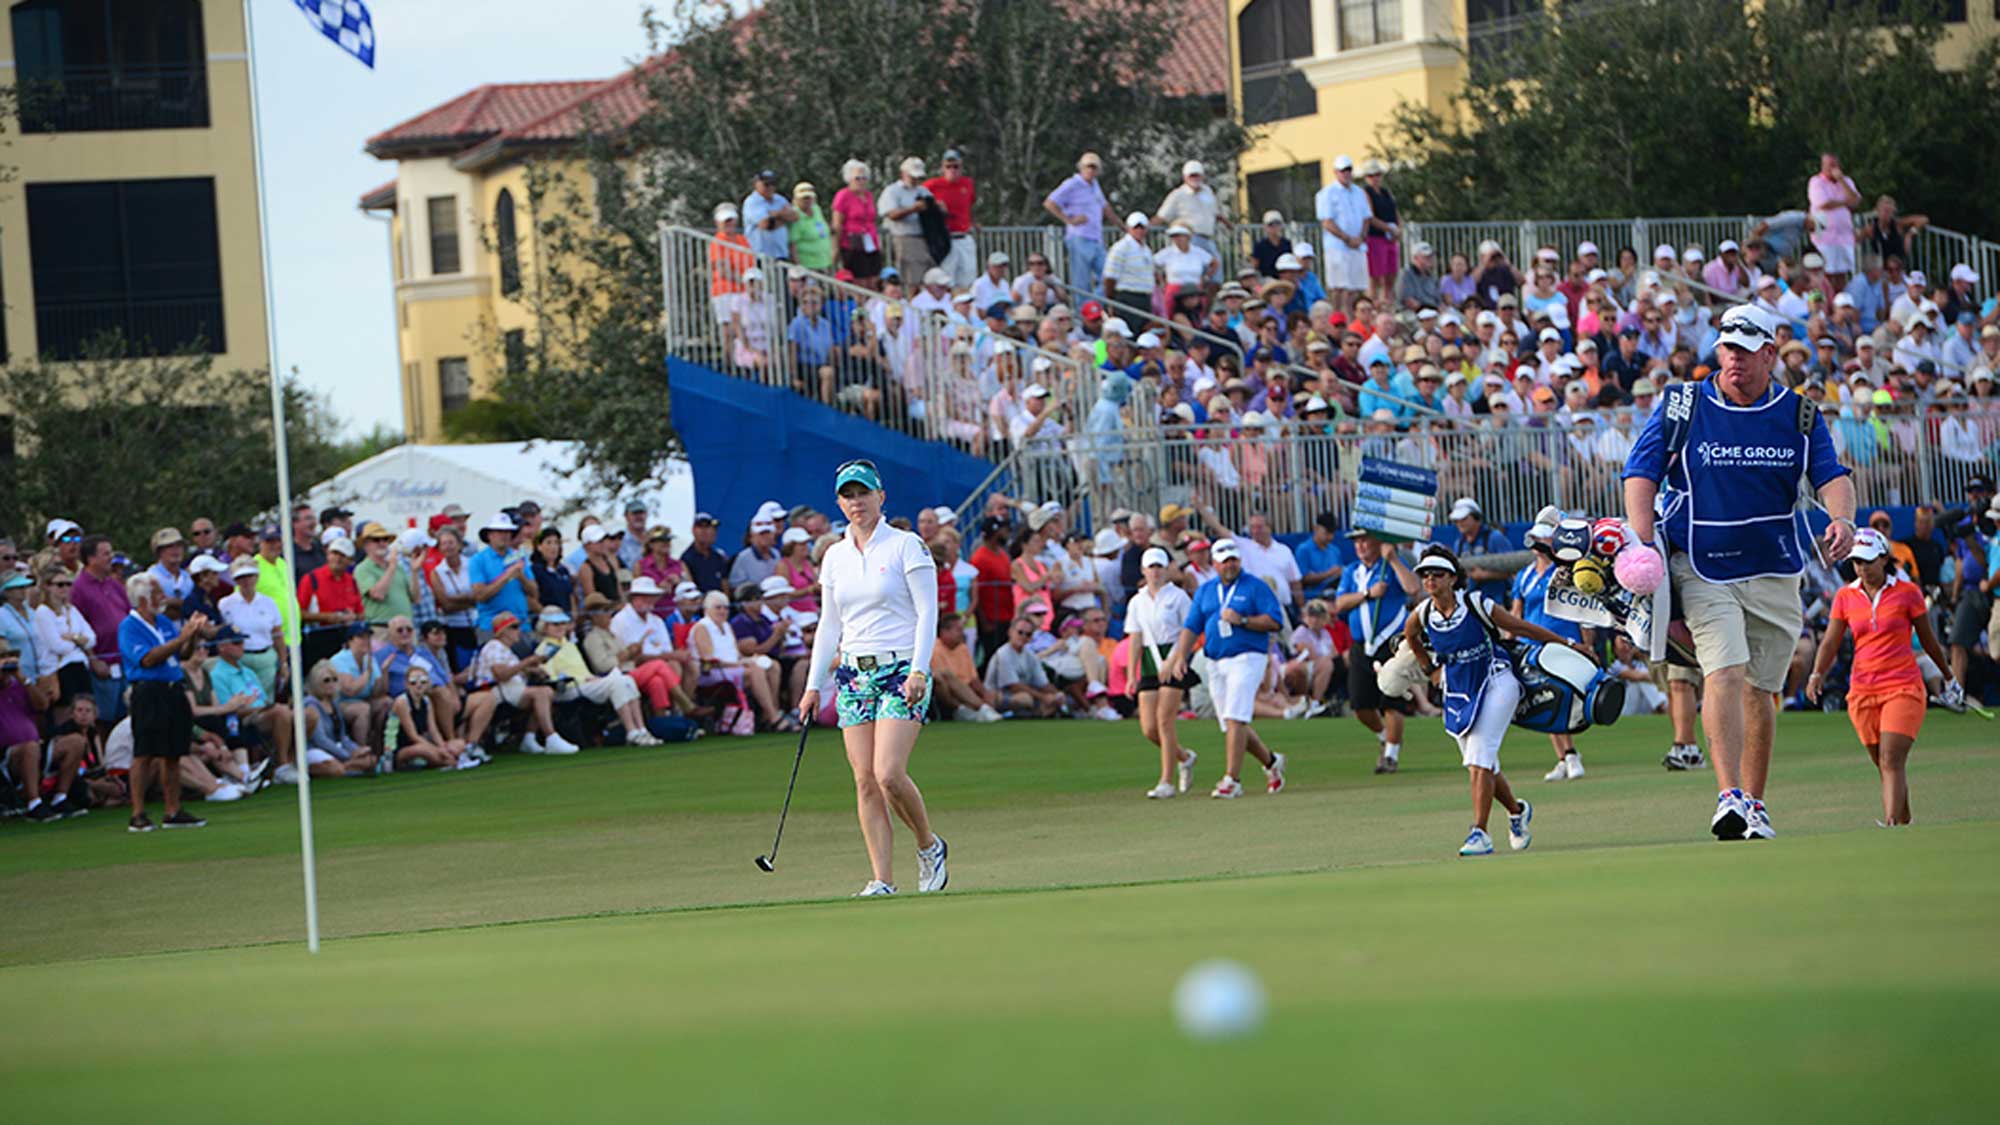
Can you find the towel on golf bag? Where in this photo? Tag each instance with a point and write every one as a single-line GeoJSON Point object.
{"type": "Point", "coordinates": [1563, 691]}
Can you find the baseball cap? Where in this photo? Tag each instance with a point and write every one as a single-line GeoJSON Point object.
{"type": "Point", "coordinates": [166, 537]}
{"type": "Point", "coordinates": [1341, 163]}
{"type": "Point", "coordinates": [1465, 506]}
{"type": "Point", "coordinates": [1177, 228]}
{"type": "Point", "coordinates": [1035, 390]}
{"type": "Point", "coordinates": [1747, 327]}
{"type": "Point", "coordinates": [552, 615]}
{"type": "Point", "coordinates": [243, 568]}
{"type": "Point", "coordinates": [1155, 556]}
{"type": "Point", "coordinates": [1273, 217]}
{"type": "Point", "coordinates": [416, 537]}
{"type": "Point", "coordinates": [854, 472]}
{"type": "Point", "coordinates": [1137, 219]}
{"type": "Point", "coordinates": [595, 533]}
{"type": "Point", "coordinates": [1869, 544]}
{"type": "Point", "coordinates": [207, 564]}
{"type": "Point", "coordinates": [270, 531]}
{"type": "Point", "coordinates": [1586, 248]}
{"type": "Point", "coordinates": [685, 591]}
{"type": "Point", "coordinates": [1226, 548]}
{"type": "Point", "coordinates": [341, 545]}
{"type": "Point", "coordinates": [795, 535]}
{"type": "Point", "coordinates": [59, 527]}
{"type": "Point", "coordinates": [1289, 262]}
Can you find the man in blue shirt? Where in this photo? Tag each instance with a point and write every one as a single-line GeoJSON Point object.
{"type": "Point", "coordinates": [768, 218]}
{"type": "Point", "coordinates": [1473, 537]}
{"type": "Point", "coordinates": [1233, 615]}
{"type": "Point", "coordinates": [150, 648]}
{"type": "Point", "coordinates": [497, 572]}
{"type": "Point", "coordinates": [1731, 451]}
{"type": "Point", "coordinates": [1319, 559]}
{"type": "Point", "coordinates": [1373, 595]}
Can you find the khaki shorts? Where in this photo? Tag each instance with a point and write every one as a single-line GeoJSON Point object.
{"type": "Point", "coordinates": [1665, 673]}
{"type": "Point", "coordinates": [1755, 623]}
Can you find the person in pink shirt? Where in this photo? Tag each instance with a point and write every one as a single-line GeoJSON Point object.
{"type": "Point", "coordinates": [1727, 273]}
{"type": "Point", "coordinates": [855, 234]}
{"type": "Point", "coordinates": [1831, 198]}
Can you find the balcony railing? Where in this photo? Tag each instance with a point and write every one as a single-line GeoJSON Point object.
{"type": "Point", "coordinates": [91, 99]}
{"type": "Point", "coordinates": [65, 330]}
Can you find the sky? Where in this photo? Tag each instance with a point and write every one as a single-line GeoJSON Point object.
{"type": "Point", "coordinates": [329, 261]}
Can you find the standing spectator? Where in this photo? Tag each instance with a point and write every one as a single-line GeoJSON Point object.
{"type": "Point", "coordinates": [329, 603]}
{"type": "Point", "coordinates": [499, 573]}
{"type": "Point", "coordinates": [1192, 204]}
{"type": "Point", "coordinates": [729, 258]}
{"type": "Point", "coordinates": [1079, 204]}
{"type": "Point", "coordinates": [257, 617]}
{"type": "Point", "coordinates": [202, 540]}
{"type": "Point", "coordinates": [458, 607]}
{"type": "Point", "coordinates": [1343, 211]}
{"type": "Point", "coordinates": [1183, 267]}
{"type": "Point", "coordinates": [274, 578]}
{"type": "Point", "coordinates": [1962, 300]}
{"type": "Point", "coordinates": [64, 548]}
{"type": "Point", "coordinates": [306, 549]}
{"type": "Point", "coordinates": [1474, 538]}
{"type": "Point", "coordinates": [169, 552]}
{"type": "Point", "coordinates": [151, 647]}
{"type": "Point", "coordinates": [993, 588]}
{"type": "Point", "coordinates": [956, 193]}
{"type": "Point", "coordinates": [388, 584]}
{"type": "Point", "coordinates": [1128, 268]}
{"type": "Point", "coordinates": [64, 640]}
{"type": "Point", "coordinates": [767, 217]}
{"type": "Point", "coordinates": [1384, 229]}
{"type": "Point", "coordinates": [1272, 562]}
{"type": "Point", "coordinates": [555, 585]}
{"type": "Point", "coordinates": [855, 233]}
{"type": "Point", "coordinates": [1274, 244]}
{"type": "Point", "coordinates": [1888, 233]}
{"type": "Point", "coordinates": [811, 238]}
{"type": "Point", "coordinates": [100, 595]}
{"type": "Point", "coordinates": [633, 545]}
{"type": "Point", "coordinates": [1831, 198]}
{"type": "Point", "coordinates": [900, 203]}
{"type": "Point", "coordinates": [17, 627]}
{"type": "Point", "coordinates": [1727, 274]}
{"type": "Point", "coordinates": [1318, 560]}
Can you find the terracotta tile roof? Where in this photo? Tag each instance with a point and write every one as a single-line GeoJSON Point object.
{"type": "Point", "coordinates": [382, 197]}
{"type": "Point", "coordinates": [1198, 65]}
{"type": "Point", "coordinates": [480, 113]}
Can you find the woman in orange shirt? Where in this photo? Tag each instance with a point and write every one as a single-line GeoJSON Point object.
{"type": "Point", "coordinates": [1885, 696]}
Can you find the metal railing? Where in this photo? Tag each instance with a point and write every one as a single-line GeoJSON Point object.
{"type": "Point", "coordinates": [82, 99]}
{"type": "Point", "coordinates": [66, 329]}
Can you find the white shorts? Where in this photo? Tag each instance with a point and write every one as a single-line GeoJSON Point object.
{"type": "Point", "coordinates": [615, 688]}
{"type": "Point", "coordinates": [723, 305]}
{"type": "Point", "coordinates": [1839, 259]}
{"type": "Point", "coordinates": [1480, 746]}
{"type": "Point", "coordinates": [511, 690]}
{"type": "Point", "coordinates": [1345, 268]}
{"type": "Point", "coordinates": [318, 757]}
{"type": "Point", "coordinates": [1233, 682]}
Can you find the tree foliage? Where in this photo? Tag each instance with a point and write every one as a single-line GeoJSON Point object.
{"type": "Point", "coordinates": [1699, 107]}
{"type": "Point", "coordinates": [802, 86]}
{"type": "Point", "coordinates": [127, 446]}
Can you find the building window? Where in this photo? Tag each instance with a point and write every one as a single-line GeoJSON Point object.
{"type": "Point", "coordinates": [514, 343]}
{"type": "Point", "coordinates": [1365, 23]}
{"type": "Point", "coordinates": [1497, 29]}
{"type": "Point", "coordinates": [507, 244]}
{"type": "Point", "coordinates": [95, 65]}
{"type": "Point", "coordinates": [1269, 34]}
{"type": "Point", "coordinates": [7, 454]}
{"type": "Point", "coordinates": [442, 211]}
{"type": "Point", "coordinates": [133, 259]}
{"type": "Point", "coordinates": [454, 383]}
{"type": "Point", "coordinates": [1288, 191]}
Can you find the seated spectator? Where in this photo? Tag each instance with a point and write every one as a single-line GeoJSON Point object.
{"type": "Point", "coordinates": [758, 559]}
{"type": "Point", "coordinates": [364, 685]}
{"type": "Point", "coordinates": [420, 742]}
{"type": "Point", "coordinates": [958, 689]}
{"type": "Point", "coordinates": [1314, 655]}
{"type": "Point", "coordinates": [234, 683]}
{"type": "Point", "coordinates": [331, 748]}
{"type": "Point", "coordinates": [429, 648]}
{"type": "Point", "coordinates": [722, 663]}
{"type": "Point", "coordinates": [225, 741]}
{"type": "Point", "coordinates": [25, 760]}
{"type": "Point", "coordinates": [1016, 675]}
{"type": "Point", "coordinates": [571, 676]}
{"type": "Point", "coordinates": [499, 676]}
{"type": "Point", "coordinates": [649, 653]}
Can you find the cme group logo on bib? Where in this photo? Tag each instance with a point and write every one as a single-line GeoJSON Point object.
{"type": "Point", "coordinates": [1715, 454]}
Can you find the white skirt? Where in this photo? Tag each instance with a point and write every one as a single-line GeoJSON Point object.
{"type": "Point", "coordinates": [1480, 744]}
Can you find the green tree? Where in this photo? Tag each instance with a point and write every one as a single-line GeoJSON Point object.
{"type": "Point", "coordinates": [126, 446]}
{"type": "Point", "coordinates": [1697, 107]}
{"type": "Point", "coordinates": [802, 86]}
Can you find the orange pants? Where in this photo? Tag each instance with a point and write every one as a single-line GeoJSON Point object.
{"type": "Point", "coordinates": [657, 680]}
{"type": "Point", "coordinates": [1898, 709]}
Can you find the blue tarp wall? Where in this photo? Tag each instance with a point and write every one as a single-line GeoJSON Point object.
{"type": "Point", "coordinates": [749, 443]}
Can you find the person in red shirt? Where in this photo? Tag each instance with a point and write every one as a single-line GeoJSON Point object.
{"type": "Point", "coordinates": [993, 589]}
{"type": "Point", "coordinates": [329, 602]}
{"type": "Point", "coordinates": [955, 192]}
{"type": "Point", "coordinates": [1885, 694]}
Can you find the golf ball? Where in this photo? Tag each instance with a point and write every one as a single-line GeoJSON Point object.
{"type": "Point", "coordinates": [1219, 1000]}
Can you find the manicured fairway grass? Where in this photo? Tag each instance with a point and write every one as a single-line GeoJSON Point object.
{"type": "Point", "coordinates": [1625, 968]}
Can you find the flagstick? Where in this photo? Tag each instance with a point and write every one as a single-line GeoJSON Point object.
{"type": "Point", "coordinates": [292, 634]}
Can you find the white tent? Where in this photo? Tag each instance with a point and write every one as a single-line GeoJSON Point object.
{"type": "Point", "coordinates": [406, 485]}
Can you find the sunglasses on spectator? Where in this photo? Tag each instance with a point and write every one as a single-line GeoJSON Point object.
{"type": "Point", "coordinates": [69, 538]}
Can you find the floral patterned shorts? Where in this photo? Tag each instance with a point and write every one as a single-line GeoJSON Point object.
{"type": "Point", "coordinates": [864, 696]}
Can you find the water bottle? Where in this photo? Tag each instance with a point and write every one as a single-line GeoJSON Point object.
{"type": "Point", "coordinates": [390, 731]}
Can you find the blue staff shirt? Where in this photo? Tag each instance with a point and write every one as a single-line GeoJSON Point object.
{"type": "Point", "coordinates": [1312, 559]}
{"type": "Point", "coordinates": [136, 638]}
{"type": "Point", "coordinates": [1249, 596]}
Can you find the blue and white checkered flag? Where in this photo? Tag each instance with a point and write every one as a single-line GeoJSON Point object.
{"type": "Point", "coordinates": [347, 23]}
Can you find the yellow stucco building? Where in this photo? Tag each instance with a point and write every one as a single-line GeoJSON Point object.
{"type": "Point", "coordinates": [133, 208]}
{"type": "Point", "coordinates": [1316, 78]}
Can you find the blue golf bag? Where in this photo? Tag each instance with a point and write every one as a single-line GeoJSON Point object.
{"type": "Point", "coordinates": [1562, 692]}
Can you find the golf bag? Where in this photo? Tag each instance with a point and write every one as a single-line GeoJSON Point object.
{"type": "Point", "coordinates": [1562, 692]}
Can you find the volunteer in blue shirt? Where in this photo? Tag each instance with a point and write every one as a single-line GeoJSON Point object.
{"type": "Point", "coordinates": [150, 647]}
{"type": "Point", "coordinates": [1234, 616]}
{"type": "Point", "coordinates": [498, 572]}
{"type": "Point", "coordinates": [1373, 596]}
{"type": "Point", "coordinates": [1531, 604]}
{"type": "Point", "coordinates": [1473, 537]}
{"type": "Point", "coordinates": [1319, 559]}
{"type": "Point", "coordinates": [1731, 452]}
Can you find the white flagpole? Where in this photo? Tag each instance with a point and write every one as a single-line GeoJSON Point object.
{"type": "Point", "coordinates": [284, 500]}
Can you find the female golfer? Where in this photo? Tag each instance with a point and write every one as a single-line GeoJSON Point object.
{"type": "Point", "coordinates": [878, 615]}
{"type": "Point", "coordinates": [1454, 631]}
{"type": "Point", "coordinates": [1153, 621]}
{"type": "Point", "coordinates": [1885, 692]}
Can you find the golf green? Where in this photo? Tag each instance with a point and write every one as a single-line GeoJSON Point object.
{"type": "Point", "coordinates": [547, 939]}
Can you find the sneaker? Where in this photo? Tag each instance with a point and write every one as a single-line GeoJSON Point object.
{"type": "Point", "coordinates": [1228, 789]}
{"type": "Point", "coordinates": [286, 774]}
{"type": "Point", "coordinates": [1560, 773]}
{"type": "Point", "coordinates": [1274, 777]}
{"type": "Point", "coordinates": [72, 809]}
{"type": "Point", "coordinates": [931, 873]}
{"type": "Point", "coordinates": [1477, 842]}
{"type": "Point", "coordinates": [140, 823]}
{"type": "Point", "coordinates": [478, 753]}
{"type": "Point", "coordinates": [1316, 708]}
{"type": "Point", "coordinates": [1162, 791]}
{"type": "Point", "coordinates": [1757, 826]}
{"type": "Point", "coordinates": [1186, 770]}
{"type": "Point", "coordinates": [184, 819]}
{"type": "Point", "coordinates": [1298, 710]}
{"type": "Point", "coordinates": [1573, 762]}
{"type": "Point", "coordinates": [254, 780]}
{"type": "Point", "coordinates": [1385, 764]}
{"type": "Point", "coordinates": [641, 737]}
{"type": "Point", "coordinates": [988, 715]}
{"type": "Point", "coordinates": [1518, 836]}
{"type": "Point", "coordinates": [965, 714]}
{"type": "Point", "coordinates": [876, 888]}
{"type": "Point", "coordinates": [531, 743]}
{"type": "Point", "coordinates": [557, 744]}
{"type": "Point", "coordinates": [227, 791]}
{"type": "Point", "coordinates": [1732, 815]}
{"type": "Point", "coordinates": [44, 813]}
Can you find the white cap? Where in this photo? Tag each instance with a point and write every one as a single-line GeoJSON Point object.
{"type": "Point", "coordinates": [1290, 262]}
{"type": "Point", "coordinates": [342, 545]}
{"type": "Point", "coordinates": [773, 585]}
{"type": "Point", "coordinates": [686, 591]}
{"type": "Point", "coordinates": [1488, 316]}
{"type": "Point", "coordinates": [1692, 254]}
{"type": "Point", "coordinates": [795, 535]}
{"type": "Point", "coordinates": [1666, 297]}
{"type": "Point", "coordinates": [1663, 251]}
{"type": "Point", "coordinates": [770, 510]}
{"type": "Point", "coordinates": [1727, 245]}
{"type": "Point", "coordinates": [1155, 556]}
{"type": "Point", "coordinates": [1274, 217]}
{"type": "Point", "coordinates": [328, 535]}
{"type": "Point", "coordinates": [1042, 363]}
{"type": "Point", "coordinates": [1304, 250]}
{"type": "Point", "coordinates": [1116, 326]}
{"type": "Point", "coordinates": [644, 586]}
{"type": "Point", "coordinates": [416, 537]}
{"type": "Point", "coordinates": [1192, 168]}
{"type": "Point", "coordinates": [998, 258]}
{"type": "Point", "coordinates": [1341, 163]}
{"type": "Point", "coordinates": [1465, 506]}
{"type": "Point", "coordinates": [1226, 548]}
{"type": "Point", "coordinates": [945, 516]}
{"type": "Point", "coordinates": [1813, 261]}
{"type": "Point", "coordinates": [1136, 219]}
{"type": "Point", "coordinates": [962, 297]}
{"type": "Point", "coordinates": [1843, 300]}
{"type": "Point", "coordinates": [753, 274]}
{"type": "Point", "coordinates": [1747, 326]}
{"type": "Point", "coordinates": [725, 211]}
{"type": "Point", "coordinates": [1177, 229]}
{"type": "Point", "coordinates": [1586, 247]}
{"type": "Point", "coordinates": [1596, 275]}
{"type": "Point", "coordinates": [758, 527]}
{"type": "Point", "coordinates": [936, 276]}
{"type": "Point", "coordinates": [1916, 277]}
{"type": "Point", "coordinates": [207, 564]}
{"type": "Point", "coordinates": [59, 527]}
{"type": "Point", "coordinates": [1550, 334]}
{"type": "Point", "coordinates": [1869, 544]}
{"type": "Point", "coordinates": [1965, 273]}
{"type": "Point", "coordinates": [1148, 340]}
{"type": "Point", "coordinates": [1035, 390]}
{"type": "Point", "coordinates": [595, 533]}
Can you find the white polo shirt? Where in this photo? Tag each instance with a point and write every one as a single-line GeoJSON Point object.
{"type": "Point", "coordinates": [257, 620]}
{"type": "Point", "coordinates": [1274, 564]}
{"type": "Point", "coordinates": [1182, 267]}
{"type": "Point", "coordinates": [649, 632]}
{"type": "Point", "coordinates": [867, 605]}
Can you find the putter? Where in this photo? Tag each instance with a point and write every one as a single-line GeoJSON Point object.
{"type": "Point", "coordinates": [769, 863]}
